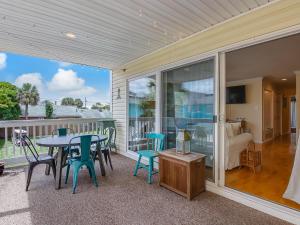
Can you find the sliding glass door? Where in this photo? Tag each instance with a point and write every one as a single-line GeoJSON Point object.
{"type": "Point", "coordinates": [188, 102]}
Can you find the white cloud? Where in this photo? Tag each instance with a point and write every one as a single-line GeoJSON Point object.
{"type": "Point", "coordinates": [64, 64]}
{"type": "Point", "coordinates": [85, 91]}
{"type": "Point", "coordinates": [68, 81]}
{"type": "Point", "coordinates": [32, 78]}
{"type": "Point", "coordinates": [3, 58]}
{"type": "Point", "coordinates": [140, 86]}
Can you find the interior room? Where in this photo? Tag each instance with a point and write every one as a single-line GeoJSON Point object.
{"type": "Point", "coordinates": [262, 117]}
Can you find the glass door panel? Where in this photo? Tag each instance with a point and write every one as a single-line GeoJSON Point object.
{"type": "Point", "coordinates": [188, 100]}
{"type": "Point", "coordinates": [141, 111]}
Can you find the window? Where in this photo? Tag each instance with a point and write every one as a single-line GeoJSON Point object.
{"type": "Point", "coordinates": [141, 111]}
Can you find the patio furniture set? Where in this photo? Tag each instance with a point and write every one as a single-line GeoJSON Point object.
{"type": "Point", "coordinates": [74, 151]}
{"type": "Point", "coordinates": [183, 174]}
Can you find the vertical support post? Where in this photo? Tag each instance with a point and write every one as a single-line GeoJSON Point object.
{"type": "Point", "coordinates": [46, 129]}
{"type": "Point", "coordinates": [34, 133]}
{"type": "Point", "coordinates": [13, 140]}
{"type": "Point", "coordinates": [158, 119]}
{"type": "Point", "coordinates": [5, 143]}
{"type": "Point", "coordinates": [222, 116]}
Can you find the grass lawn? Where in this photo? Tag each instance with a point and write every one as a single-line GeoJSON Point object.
{"type": "Point", "coordinates": [9, 153]}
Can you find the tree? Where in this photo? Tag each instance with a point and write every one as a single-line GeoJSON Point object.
{"type": "Point", "coordinates": [67, 101]}
{"type": "Point", "coordinates": [28, 95]}
{"type": "Point", "coordinates": [73, 102]}
{"type": "Point", "coordinates": [48, 109]}
{"type": "Point", "coordinates": [9, 105]}
{"type": "Point", "coordinates": [101, 107]}
{"type": "Point", "coordinates": [78, 103]}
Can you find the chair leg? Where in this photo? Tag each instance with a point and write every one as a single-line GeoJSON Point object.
{"type": "Point", "coordinates": [137, 165]}
{"type": "Point", "coordinates": [75, 177]}
{"type": "Point", "coordinates": [53, 168]}
{"type": "Point", "coordinates": [93, 173]}
{"type": "Point", "coordinates": [30, 170]}
{"type": "Point", "coordinates": [105, 155]}
{"type": "Point", "coordinates": [50, 152]}
{"type": "Point", "coordinates": [109, 160]}
{"type": "Point", "coordinates": [90, 172]}
{"type": "Point", "coordinates": [150, 168]}
{"type": "Point", "coordinates": [67, 173]}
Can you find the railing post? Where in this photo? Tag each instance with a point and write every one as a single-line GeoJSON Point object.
{"type": "Point", "coordinates": [34, 133]}
{"type": "Point", "coordinates": [13, 140]}
{"type": "Point", "coordinates": [5, 141]}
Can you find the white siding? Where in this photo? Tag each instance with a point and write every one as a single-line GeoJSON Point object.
{"type": "Point", "coordinates": [277, 16]}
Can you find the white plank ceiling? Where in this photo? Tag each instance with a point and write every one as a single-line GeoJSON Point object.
{"type": "Point", "coordinates": [108, 33]}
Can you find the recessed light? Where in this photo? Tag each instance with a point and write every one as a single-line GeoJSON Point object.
{"type": "Point", "coordinates": [70, 35]}
{"type": "Point", "coordinates": [283, 79]}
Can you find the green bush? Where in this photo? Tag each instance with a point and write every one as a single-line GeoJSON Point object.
{"type": "Point", "coordinates": [9, 105]}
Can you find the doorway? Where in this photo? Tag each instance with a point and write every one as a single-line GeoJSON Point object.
{"type": "Point", "coordinates": [267, 118]}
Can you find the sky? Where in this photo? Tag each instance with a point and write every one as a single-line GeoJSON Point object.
{"type": "Point", "coordinates": [55, 79]}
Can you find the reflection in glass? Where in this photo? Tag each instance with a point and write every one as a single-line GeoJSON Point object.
{"type": "Point", "coordinates": [188, 103]}
{"type": "Point", "coordinates": [141, 111]}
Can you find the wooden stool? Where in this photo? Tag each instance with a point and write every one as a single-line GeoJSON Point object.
{"type": "Point", "coordinates": [251, 157]}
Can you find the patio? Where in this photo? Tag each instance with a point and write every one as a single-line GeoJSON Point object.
{"type": "Point", "coordinates": [119, 199]}
{"type": "Point", "coordinates": [178, 46]}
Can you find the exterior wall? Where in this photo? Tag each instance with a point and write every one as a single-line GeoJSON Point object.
{"type": "Point", "coordinates": [276, 16]}
{"type": "Point", "coordinates": [252, 109]}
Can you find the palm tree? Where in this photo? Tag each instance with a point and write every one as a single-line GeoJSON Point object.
{"type": "Point", "coordinates": [28, 95]}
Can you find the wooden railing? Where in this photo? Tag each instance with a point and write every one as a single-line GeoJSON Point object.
{"type": "Point", "coordinates": [11, 130]}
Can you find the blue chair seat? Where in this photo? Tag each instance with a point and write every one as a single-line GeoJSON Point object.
{"type": "Point", "coordinates": [148, 153]}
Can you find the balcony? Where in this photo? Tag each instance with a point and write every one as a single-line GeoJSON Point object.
{"type": "Point", "coordinates": [11, 151]}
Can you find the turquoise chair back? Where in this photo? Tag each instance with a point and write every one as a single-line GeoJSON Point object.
{"type": "Point", "coordinates": [85, 146]}
{"type": "Point", "coordinates": [62, 132]}
{"type": "Point", "coordinates": [155, 141]}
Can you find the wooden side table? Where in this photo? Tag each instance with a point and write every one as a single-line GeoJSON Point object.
{"type": "Point", "coordinates": [183, 174]}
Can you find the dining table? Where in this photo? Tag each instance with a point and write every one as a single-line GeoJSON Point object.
{"type": "Point", "coordinates": [61, 142]}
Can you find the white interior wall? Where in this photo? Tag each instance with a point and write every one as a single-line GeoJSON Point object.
{"type": "Point", "coordinates": [252, 109]}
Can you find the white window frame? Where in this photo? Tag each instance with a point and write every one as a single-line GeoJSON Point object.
{"type": "Point", "coordinates": [157, 103]}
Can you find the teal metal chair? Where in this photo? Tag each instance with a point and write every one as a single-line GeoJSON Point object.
{"type": "Point", "coordinates": [84, 159]}
{"type": "Point", "coordinates": [62, 131]}
{"type": "Point", "coordinates": [155, 144]}
{"type": "Point", "coordinates": [106, 149]}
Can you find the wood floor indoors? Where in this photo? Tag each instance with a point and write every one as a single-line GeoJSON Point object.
{"type": "Point", "coordinates": [269, 183]}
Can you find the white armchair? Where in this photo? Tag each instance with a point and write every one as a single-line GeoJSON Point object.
{"type": "Point", "coordinates": [235, 143]}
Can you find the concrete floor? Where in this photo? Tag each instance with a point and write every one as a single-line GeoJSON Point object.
{"type": "Point", "coordinates": [120, 199]}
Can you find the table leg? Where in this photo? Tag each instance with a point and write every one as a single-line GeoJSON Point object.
{"type": "Point", "coordinates": [101, 163]}
{"type": "Point", "coordinates": [50, 152]}
{"type": "Point", "coordinates": [59, 168]}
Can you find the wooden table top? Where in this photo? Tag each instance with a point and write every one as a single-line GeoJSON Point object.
{"type": "Point", "coordinates": [193, 156]}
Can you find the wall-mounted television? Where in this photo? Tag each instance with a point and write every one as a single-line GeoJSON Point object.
{"type": "Point", "coordinates": [236, 95]}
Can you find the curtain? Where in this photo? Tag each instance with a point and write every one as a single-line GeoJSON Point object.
{"type": "Point", "coordinates": [293, 189]}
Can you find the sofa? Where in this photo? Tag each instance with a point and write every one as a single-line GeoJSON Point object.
{"type": "Point", "coordinates": [235, 142]}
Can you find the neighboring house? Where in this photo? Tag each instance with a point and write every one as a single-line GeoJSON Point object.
{"type": "Point", "coordinates": [62, 111]}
